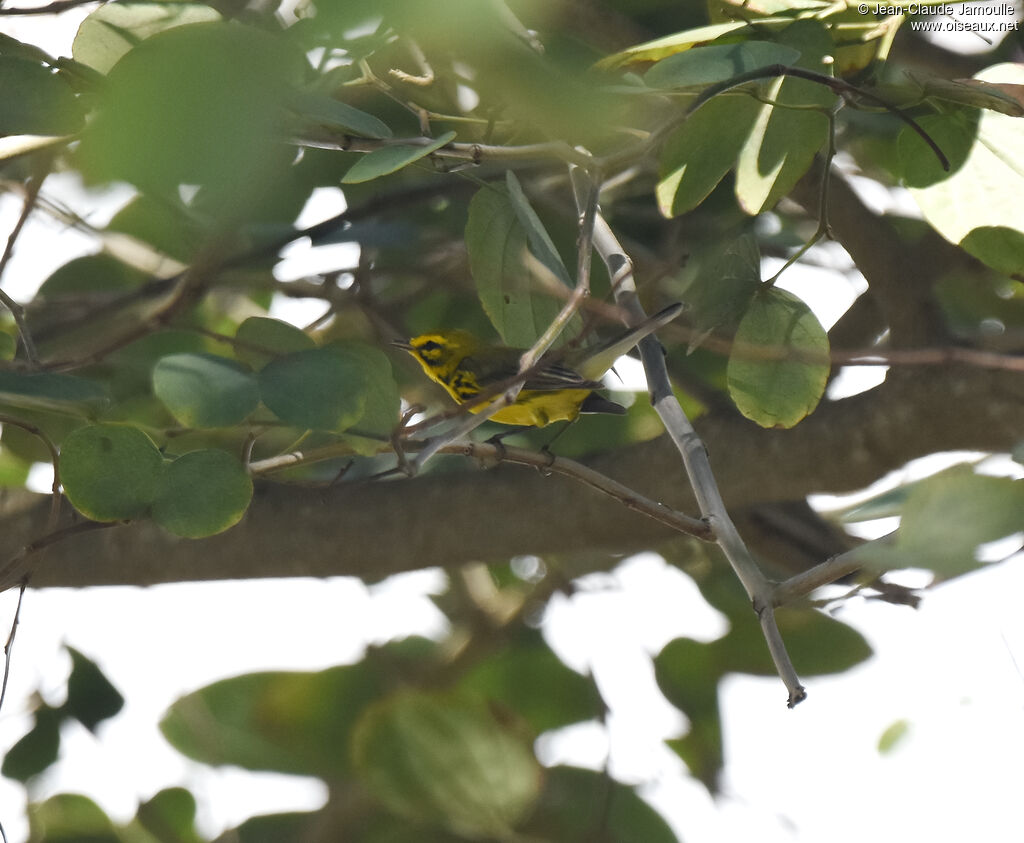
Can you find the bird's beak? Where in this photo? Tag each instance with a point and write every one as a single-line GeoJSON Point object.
{"type": "Point", "coordinates": [402, 344]}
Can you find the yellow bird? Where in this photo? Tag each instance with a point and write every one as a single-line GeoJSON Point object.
{"type": "Point", "coordinates": [559, 390]}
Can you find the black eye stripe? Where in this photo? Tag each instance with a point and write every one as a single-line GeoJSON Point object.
{"type": "Point", "coordinates": [430, 346]}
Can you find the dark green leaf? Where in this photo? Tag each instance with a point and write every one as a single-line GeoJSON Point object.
{"type": "Point", "coordinates": [320, 389]}
{"type": "Point", "coordinates": [51, 391]}
{"type": "Point", "coordinates": [506, 279]}
{"type": "Point", "coordinates": [170, 816]}
{"type": "Point", "coordinates": [696, 156]}
{"type": "Point", "coordinates": [327, 111]}
{"type": "Point", "coordinates": [91, 697]}
{"type": "Point", "coordinates": [722, 292]}
{"type": "Point", "coordinates": [390, 159]}
{"type": "Point", "coordinates": [767, 383]}
{"type": "Point", "coordinates": [34, 100]}
{"type": "Point", "coordinates": [581, 805]}
{"type": "Point", "coordinates": [37, 749]}
{"type": "Point", "coordinates": [515, 675]}
{"type": "Point", "coordinates": [110, 472]}
{"type": "Point", "coordinates": [204, 390]}
{"type": "Point", "coordinates": [202, 493]}
{"type": "Point", "coordinates": [703, 66]}
{"type": "Point", "coordinates": [447, 760]}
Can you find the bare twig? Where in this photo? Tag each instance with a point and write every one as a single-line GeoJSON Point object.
{"type": "Point", "coordinates": [695, 459]}
{"type": "Point", "coordinates": [17, 311]}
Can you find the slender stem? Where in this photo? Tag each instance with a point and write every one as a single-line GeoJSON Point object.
{"type": "Point", "coordinates": [695, 459]}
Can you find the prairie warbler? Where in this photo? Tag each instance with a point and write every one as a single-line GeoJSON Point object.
{"type": "Point", "coordinates": [558, 390]}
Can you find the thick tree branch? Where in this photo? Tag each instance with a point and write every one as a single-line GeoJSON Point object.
{"type": "Point", "coordinates": [451, 518]}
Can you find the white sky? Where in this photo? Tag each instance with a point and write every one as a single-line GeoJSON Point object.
{"type": "Point", "coordinates": [951, 669]}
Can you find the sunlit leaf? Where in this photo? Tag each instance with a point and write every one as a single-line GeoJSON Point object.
{"type": "Point", "coordinates": [787, 135]}
{"type": "Point", "coordinates": [113, 30]}
{"type": "Point", "coordinates": [976, 206]}
{"type": "Point", "coordinates": [894, 734]}
{"type": "Point", "coordinates": [69, 817]}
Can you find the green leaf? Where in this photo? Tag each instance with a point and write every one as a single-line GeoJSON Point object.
{"type": "Point", "coordinates": [895, 734]}
{"type": "Point", "coordinates": [703, 66]}
{"type": "Point", "coordinates": [99, 273]}
{"type": "Point", "coordinates": [662, 48]}
{"type": "Point", "coordinates": [390, 159]}
{"type": "Point", "coordinates": [202, 493]}
{"type": "Point", "coordinates": [111, 31]}
{"type": "Point", "coordinates": [447, 760]}
{"type": "Point", "coordinates": [287, 722]}
{"type": "Point", "coordinates": [506, 278]}
{"type": "Point", "coordinates": [170, 816]}
{"type": "Point", "coordinates": [722, 292]}
{"type": "Point", "coordinates": [786, 136]}
{"type": "Point", "coordinates": [158, 107]}
{"type": "Point", "coordinates": [977, 206]}
{"type": "Point", "coordinates": [946, 517]}
{"type": "Point", "coordinates": [35, 101]}
{"type": "Point", "coordinates": [327, 111]}
{"type": "Point", "coordinates": [51, 391]}
{"type": "Point", "coordinates": [383, 398]}
{"type": "Point", "coordinates": [37, 749]}
{"type": "Point", "coordinates": [70, 818]}
{"type": "Point", "coordinates": [91, 697]}
{"type": "Point", "coordinates": [273, 828]}
{"type": "Point", "coordinates": [261, 339]}
{"type": "Point", "coordinates": [513, 676]}
{"type": "Point", "coordinates": [697, 155]}
{"type": "Point", "coordinates": [614, 811]}
{"type": "Point", "coordinates": [13, 469]}
{"type": "Point", "coordinates": [110, 472]}
{"type": "Point", "coordinates": [767, 387]}
{"type": "Point", "coordinates": [204, 390]}
{"type": "Point", "coordinates": [320, 389]}
{"type": "Point", "coordinates": [541, 245]}
{"type": "Point", "coordinates": [8, 346]}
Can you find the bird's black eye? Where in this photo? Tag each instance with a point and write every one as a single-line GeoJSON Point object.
{"type": "Point", "coordinates": [430, 346]}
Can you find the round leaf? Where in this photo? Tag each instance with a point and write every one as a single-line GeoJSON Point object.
{"type": "Point", "coordinates": [202, 493]}
{"type": "Point", "coordinates": [204, 390]}
{"type": "Point", "coordinates": [447, 761]}
{"type": "Point", "coordinates": [261, 339]}
{"type": "Point", "coordinates": [766, 378]}
{"type": "Point", "coordinates": [112, 30]}
{"type": "Point", "coordinates": [320, 389]}
{"type": "Point", "coordinates": [110, 472]}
